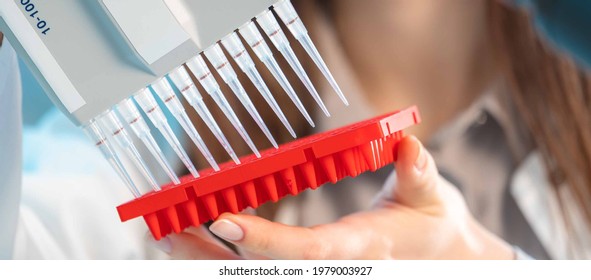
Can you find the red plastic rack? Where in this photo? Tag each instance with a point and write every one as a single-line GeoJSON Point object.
{"type": "Point", "coordinates": [294, 167]}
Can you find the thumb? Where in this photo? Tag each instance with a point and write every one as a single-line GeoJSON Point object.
{"type": "Point", "coordinates": [416, 175]}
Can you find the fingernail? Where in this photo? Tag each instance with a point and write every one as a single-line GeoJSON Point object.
{"type": "Point", "coordinates": [421, 161]}
{"type": "Point", "coordinates": [164, 244]}
{"type": "Point", "coordinates": [227, 230]}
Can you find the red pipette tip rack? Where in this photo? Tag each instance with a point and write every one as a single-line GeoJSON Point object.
{"type": "Point", "coordinates": [294, 167]}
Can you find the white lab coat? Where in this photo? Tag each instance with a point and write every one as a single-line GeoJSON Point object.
{"type": "Point", "coordinates": [63, 205]}
{"type": "Point", "coordinates": [10, 148]}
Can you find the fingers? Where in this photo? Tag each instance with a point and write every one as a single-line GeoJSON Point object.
{"type": "Point", "coordinates": [195, 243]}
{"type": "Point", "coordinates": [205, 235]}
{"type": "Point", "coordinates": [416, 183]}
{"type": "Point", "coordinates": [250, 255]}
{"type": "Point", "coordinates": [273, 240]}
{"type": "Point", "coordinates": [243, 251]}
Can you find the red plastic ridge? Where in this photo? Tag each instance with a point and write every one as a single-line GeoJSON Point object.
{"type": "Point", "coordinates": [305, 163]}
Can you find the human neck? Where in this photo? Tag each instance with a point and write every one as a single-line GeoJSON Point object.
{"type": "Point", "coordinates": [434, 54]}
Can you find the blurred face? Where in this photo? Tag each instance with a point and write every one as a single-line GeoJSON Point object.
{"type": "Point", "coordinates": [427, 52]}
{"type": "Point", "coordinates": [379, 33]}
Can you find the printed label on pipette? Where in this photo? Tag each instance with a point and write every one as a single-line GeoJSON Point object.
{"type": "Point", "coordinates": [29, 8]}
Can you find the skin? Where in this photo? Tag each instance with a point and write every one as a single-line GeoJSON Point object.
{"type": "Point", "coordinates": [403, 52]}
{"type": "Point", "coordinates": [427, 53]}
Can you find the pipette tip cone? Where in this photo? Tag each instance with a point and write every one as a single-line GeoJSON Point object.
{"type": "Point", "coordinates": [284, 83]}
{"type": "Point", "coordinates": [227, 110]}
{"type": "Point", "coordinates": [306, 42]}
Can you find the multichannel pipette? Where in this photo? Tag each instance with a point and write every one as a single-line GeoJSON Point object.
{"type": "Point", "coordinates": [121, 54]}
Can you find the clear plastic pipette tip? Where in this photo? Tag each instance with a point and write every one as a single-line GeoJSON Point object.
{"type": "Point", "coordinates": [213, 126]}
{"type": "Point", "coordinates": [201, 71]}
{"type": "Point", "coordinates": [152, 146]}
{"type": "Point", "coordinates": [313, 52]}
{"type": "Point", "coordinates": [146, 100]}
{"type": "Point", "coordinates": [280, 77]}
{"type": "Point", "coordinates": [220, 62]}
{"type": "Point", "coordinates": [132, 116]}
{"type": "Point", "coordinates": [271, 27]}
{"type": "Point", "coordinates": [222, 102]}
{"type": "Point", "coordinates": [108, 151]}
{"type": "Point", "coordinates": [257, 43]}
{"type": "Point", "coordinates": [295, 64]}
{"type": "Point", "coordinates": [181, 79]}
{"type": "Point", "coordinates": [288, 15]}
{"type": "Point", "coordinates": [109, 122]}
{"type": "Point", "coordinates": [245, 100]}
{"type": "Point", "coordinates": [264, 90]}
{"type": "Point", "coordinates": [194, 135]}
{"type": "Point", "coordinates": [236, 49]}
{"type": "Point", "coordinates": [164, 90]}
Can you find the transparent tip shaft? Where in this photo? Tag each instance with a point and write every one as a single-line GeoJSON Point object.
{"type": "Point", "coordinates": [164, 91]}
{"type": "Point", "coordinates": [264, 90]}
{"type": "Point", "coordinates": [110, 123]}
{"type": "Point", "coordinates": [194, 135]}
{"type": "Point", "coordinates": [224, 105]}
{"type": "Point", "coordinates": [152, 146]}
{"type": "Point", "coordinates": [185, 85]}
{"type": "Point", "coordinates": [204, 113]}
{"type": "Point", "coordinates": [108, 151]}
{"type": "Point", "coordinates": [236, 49]}
{"type": "Point", "coordinates": [132, 116]}
{"type": "Point", "coordinates": [271, 27]}
{"type": "Point", "coordinates": [313, 52]}
{"type": "Point", "coordinates": [245, 100]}
{"type": "Point", "coordinates": [220, 62]}
{"type": "Point", "coordinates": [201, 71]}
{"type": "Point", "coordinates": [300, 72]}
{"type": "Point", "coordinates": [255, 40]}
{"type": "Point", "coordinates": [280, 77]}
{"type": "Point", "coordinates": [148, 104]}
{"type": "Point", "coordinates": [289, 16]}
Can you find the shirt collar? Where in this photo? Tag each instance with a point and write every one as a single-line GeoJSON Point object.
{"type": "Point", "coordinates": [494, 105]}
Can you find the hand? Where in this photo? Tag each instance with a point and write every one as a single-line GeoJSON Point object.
{"type": "Point", "coordinates": [418, 215]}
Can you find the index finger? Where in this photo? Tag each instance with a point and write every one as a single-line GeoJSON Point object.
{"type": "Point", "coordinates": [275, 240]}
